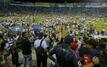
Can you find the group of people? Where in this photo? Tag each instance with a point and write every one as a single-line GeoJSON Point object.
{"type": "Point", "coordinates": [68, 51]}
{"type": "Point", "coordinates": [73, 50]}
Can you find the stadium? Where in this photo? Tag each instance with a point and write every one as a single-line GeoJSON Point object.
{"type": "Point", "coordinates": [81, 24]}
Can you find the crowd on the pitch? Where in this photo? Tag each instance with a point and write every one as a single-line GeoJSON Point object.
{"type": "Point", "coordinates": [77, 48]}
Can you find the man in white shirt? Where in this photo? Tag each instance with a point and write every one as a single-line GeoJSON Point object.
{"type": "Point", "coordinates": [41, 46]}
{"type": "Point", "coordinates": [79, 43]}
{"type": "Point", "coordinates": [37, 43]}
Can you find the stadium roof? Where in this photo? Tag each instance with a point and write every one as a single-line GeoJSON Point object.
{"type": "Point", "coordinates": [63, 1]}
{"type": "Point", "coordinates": [62, 5]}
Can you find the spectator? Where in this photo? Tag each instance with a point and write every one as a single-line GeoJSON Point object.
{"type": "Point", "coordinates": [74, 44]}
{"type": "Point", "coordinates": [15, 56]}
{"type": "Point", "coordinates": [41, 50]}
{"type": "Point", "coordinates": [2, 44]}
{"type": "Point", "coordinates": [79, 43]}
{"type": "Point", "coordinates": [64, 57]}
{"type": "Point", "coordinates": [86, 56]}
{"type": "Point", "coordinates": [26, 50]}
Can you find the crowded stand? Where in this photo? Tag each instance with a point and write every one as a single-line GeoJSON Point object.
{"type": "Point", "coordinates": [55, 39]}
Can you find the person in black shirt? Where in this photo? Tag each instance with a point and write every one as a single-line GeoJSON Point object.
{"type": "Point", "coordinates": [15, 56]}
{"type": "Point", "coordinates": [2, 44]}
{"type": "Point", "coordinates": [26, 49]}
{"type": "Point", "coordinates": [64, 57]}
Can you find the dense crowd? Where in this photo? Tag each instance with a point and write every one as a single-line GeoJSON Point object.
{"type": "Point", "coordinates": [70, 39]}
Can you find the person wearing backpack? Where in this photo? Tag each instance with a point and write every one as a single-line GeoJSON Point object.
{"type": "Point", "coordinates": [64, 55]}
{"type": "Point", "coordinates": [41, 49]}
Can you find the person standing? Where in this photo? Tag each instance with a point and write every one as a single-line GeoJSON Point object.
{"type": "Point", "coordinates": [79, 43]}
{"type": "Point", "coordinates": [15, 56]}
{"type": "Point", "coordinates": [26, 50]}
{"type": "Point", "coordinates": [40, 46]}
{"type": "Point", "coordinates": [2, 44]}
{"type": "Point", "coordinates": [64, 55]}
